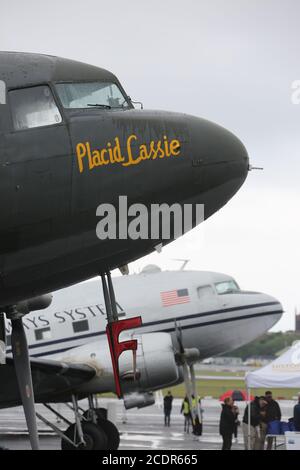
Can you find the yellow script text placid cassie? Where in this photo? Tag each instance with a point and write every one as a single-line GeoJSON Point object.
{"type": "Point", "coordinates": [89, 158]}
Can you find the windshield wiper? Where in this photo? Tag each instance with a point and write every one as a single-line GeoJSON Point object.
{"type": "Point", "coordinates": [230, 291]}
{"type": "Point", "coordinates": [104, 106]}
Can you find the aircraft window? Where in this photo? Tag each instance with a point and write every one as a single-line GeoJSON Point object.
{"type": "Point", "coordinates": [227, 287]}
{"type": "Point", "coordinates": [79, 326]}
{"type": "Point", "coordinates": [91, 94]}
{"type": "Point", "coordinates": [42, 333]}
{"type": "Point", "coordinates": [205, 292]}
{"type": "Point", "coordinates": [33, 107]}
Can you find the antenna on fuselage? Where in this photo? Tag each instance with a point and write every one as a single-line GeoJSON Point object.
{"type": "Point", "coordinates": [251, 168]}
{"type": "Point", "coordinates": [184, 263]}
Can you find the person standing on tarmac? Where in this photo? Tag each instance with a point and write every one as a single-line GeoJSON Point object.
{"type": "Point", "coordinates": [256, 416]}
{"type": "Point", "coordinates": [272, 413]}
{"type": "Point", "coordinates": [297, 415]}
{"type": "Point", "coordinates": [237, 423]}
{"type": "Point", "coordinates": [168, 399]}
{"type": "Point", "coordinates": [196, 415]}
{"type": "Point", "coordinates": [227, 421]}
{"type": "Point", "coordinates": [185, 409]}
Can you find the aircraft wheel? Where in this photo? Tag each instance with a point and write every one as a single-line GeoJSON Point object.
{"type": "Point", "coordinates": [111, 431]}
{"type": "Point", "coordinates": [94, 437]}
{"type": "Point", "coordinates": [101, 413]}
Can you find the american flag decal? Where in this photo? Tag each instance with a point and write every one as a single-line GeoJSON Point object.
{"type": "Point", "coordinates": [175, 297]}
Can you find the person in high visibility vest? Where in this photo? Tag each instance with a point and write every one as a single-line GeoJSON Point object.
{"type": "Point", "coordinates": [194, 410]}
{"type": "Point", "coordinates": [185, 409]}
{"type": "Point", "coordinates": [196, 414]}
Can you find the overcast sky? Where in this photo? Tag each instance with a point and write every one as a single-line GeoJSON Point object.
{"type": "Point", "coordinates": [231, 61]}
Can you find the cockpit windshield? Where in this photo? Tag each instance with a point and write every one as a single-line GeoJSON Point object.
{"type": "Point", "coordinates": [227, 287]}
{"type": "Point", "coordinates": [103, 95]}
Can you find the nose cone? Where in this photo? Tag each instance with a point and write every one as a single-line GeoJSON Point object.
{"type": "Point", "coordinates": [261, 311]}
{"type": "Point", "coordinates": [220, 162]}
{"type": "Point", "coordinates": [271, 307]}
{"type": "Point", "coordinates": [248, 315]}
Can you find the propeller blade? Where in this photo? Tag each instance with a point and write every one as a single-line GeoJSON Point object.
{"type": "Point", "coordinates": [194, 391]}
{"type": "Point", "coordinates": [188, 373]}
{"type": "Point", "coordinates": [188, 389]}
{"type": "Point", "coordinates": [23, 373]}
{"type": "Point", "coordinates": [193, 380]}
{"type": "Point", "coordinates": [179, 338]}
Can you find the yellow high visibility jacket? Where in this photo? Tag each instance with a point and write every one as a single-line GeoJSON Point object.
{"type": "Point", "coordinates": [185, 407]}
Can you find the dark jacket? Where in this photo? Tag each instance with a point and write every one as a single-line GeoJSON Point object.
{"type": "Point", "coordinates": [255, 417]}
{"type": "Point", "coordinates": [297, 417]}
{"type": "Point", "coordinates": [227, 420]}
{"type": "Point", "coordinates": [273, 411]}
{"type": "Point", "coordinates": [168, 402]}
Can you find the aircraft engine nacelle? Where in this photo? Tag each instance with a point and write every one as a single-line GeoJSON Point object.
{"type": "Point", "coordinates": [156, 367]}
{"type": "Point", "coordinates": [36, 303]}
{"type": "Point", "coordinates": [155, 363]}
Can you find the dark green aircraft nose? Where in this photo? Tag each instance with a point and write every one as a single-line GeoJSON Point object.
{"type": "Point", "coordinates": [219, 160]}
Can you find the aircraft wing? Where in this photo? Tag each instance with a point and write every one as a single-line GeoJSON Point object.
{"type": "Point", "coordinates": [52, 381]}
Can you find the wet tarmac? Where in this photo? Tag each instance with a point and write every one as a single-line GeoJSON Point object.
{"type": "Point", "coordinates": [140, 429]}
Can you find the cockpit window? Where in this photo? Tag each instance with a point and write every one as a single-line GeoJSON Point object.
{"type": "Point", "coordinates": [91, 94]}
{"type": "Point", "coordinates": [33, 107]}
{"type": "Point", "coordinates": [227, 287]}
{"type": "Point", "coordinates": [205, 292]}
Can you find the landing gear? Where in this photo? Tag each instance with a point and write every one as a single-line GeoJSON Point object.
{"type": "Point", "coordinates": [186, 358]}
{"type": "Point", "coordinates": [98, 416]}
{"type": "Point", "coordinates": [91, 430]}
{"type": "Point", "coordinates": [112, 433]}
{"type": "Point", "coordinates": [93, 438]}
